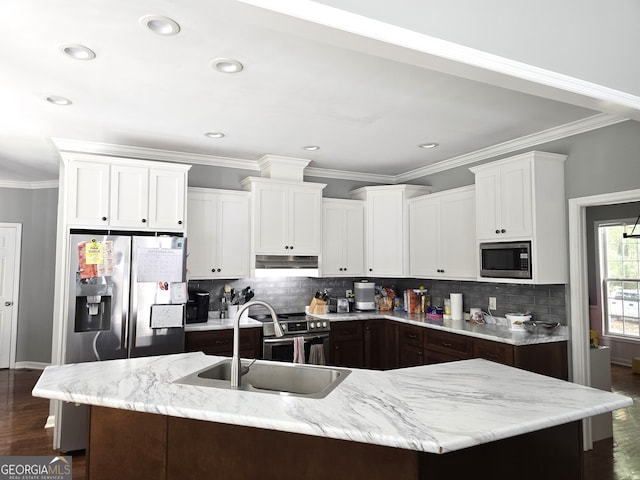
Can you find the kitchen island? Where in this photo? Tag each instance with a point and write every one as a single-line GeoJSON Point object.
{"type": "Point", "coordinates": [435, 421]}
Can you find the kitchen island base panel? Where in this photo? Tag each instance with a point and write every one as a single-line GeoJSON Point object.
{"type": "Point", "coordinates": [124, 444]}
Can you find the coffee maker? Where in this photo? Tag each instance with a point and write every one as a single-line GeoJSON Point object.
{"type": "Point", "coordinates": [198, 306]}
{"type": "Point", "coordinates": [365, 295]}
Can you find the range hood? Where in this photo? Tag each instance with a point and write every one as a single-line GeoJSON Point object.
{"type": "Point", "coordinates": [287, 266]}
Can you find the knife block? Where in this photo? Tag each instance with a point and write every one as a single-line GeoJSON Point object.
{"type": "Point", "coordinates": [319, 307]}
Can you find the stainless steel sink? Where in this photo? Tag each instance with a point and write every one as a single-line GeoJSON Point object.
{"type": "Point", "coordinates": [271, 377]}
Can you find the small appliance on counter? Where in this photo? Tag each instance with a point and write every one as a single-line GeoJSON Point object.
{"type": "Point", "coordinates": [198, 306]}
{"type": "Point", "coordinates": [338, 305]}
{"type": "Point", "coordinates": [365, 293]}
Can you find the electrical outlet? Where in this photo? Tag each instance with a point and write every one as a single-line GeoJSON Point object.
{"type": "Point", "coordinates": [348, 293]}
{"type": "Point", "coordinates": [492, 303]}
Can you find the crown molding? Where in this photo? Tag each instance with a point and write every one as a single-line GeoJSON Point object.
{"type": "Point", "coordinates": [528, 141]}
{"type": "Point", "coordinates": [144, 153]}
{"type": "Point", "coordinates": [29, 185]}
{"type": "Point", "coordinates": [348, 175]}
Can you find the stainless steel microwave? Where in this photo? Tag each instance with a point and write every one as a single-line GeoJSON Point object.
{"type": "Point", "coordinates": [505, 260]}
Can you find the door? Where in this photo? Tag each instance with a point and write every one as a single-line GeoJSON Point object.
{"type": "Point", "coordinates": [233, 241]}
{"type": "Point", "coordinates": [166, 199]}
{"type": "Point", "coordinates": [9, 273]}
{"type": "Point", "coordinates": [385, 233]}
{"type": "Point", "coordinates": [156, 325]}
{"type": "Point", "coordinates": [98, 301]}
{"type": "Point", "coordinates": [305, 207]}
{"type": "Point", "coordinates": [88, 194]}
{"type": "Point", "coordinates": [271, 220]}
{"type": "Point", "coordinates": [424, 231]}
{"type": "Point", "coordinates": [129, 203]}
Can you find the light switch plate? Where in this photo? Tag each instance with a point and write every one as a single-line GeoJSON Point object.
{"type": "Point", "coordinates": [492, 303]}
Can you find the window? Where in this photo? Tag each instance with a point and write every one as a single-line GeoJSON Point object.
{"type": "Point", "coordinates": [620, 274]}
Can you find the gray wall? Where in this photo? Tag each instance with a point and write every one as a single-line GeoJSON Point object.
{"type": "Point", "coordinates": [36, 210]}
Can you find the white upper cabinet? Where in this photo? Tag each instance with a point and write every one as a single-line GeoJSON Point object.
{"type": "Point", "coordinates": [343, 238]}
{"type": "Point", "coordinates": [442, 243]}
{"type": "Point", "coordinates": [286, 216]}
{"type": "Point", "coordinates": [125, 193]}
{"type": "Point", "coordinates": [522, 198]}
{"type": "Point", "coordinates": [387, 227]}
{"type": "Point", "coordinates": [504, 203]}
{"type": "Point", "coordinates": [167, 196]}
{"type": "Point", "coordinates": [218, 234]}
{"type": "Point", "coordinates": [87, 192]}
{"type": "Point", "coordinates": [129, 196]}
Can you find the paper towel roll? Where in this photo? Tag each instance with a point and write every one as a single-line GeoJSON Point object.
{"type": "Point", "coordinates": [456, 306]}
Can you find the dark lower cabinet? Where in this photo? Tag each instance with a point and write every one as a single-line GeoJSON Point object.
{"type": "Point", "coordinates": [410, 345]}
{"type": "Point", "coordinates": [375, 344]}
{"type": "Point", "coordinates": [443, 346]}
{"type": "Point", "coordinates": [220, 342]}
{"type": "Point", "coordinates": [347, 344]}
{"type": "Point", "coordinates": [127, 445]}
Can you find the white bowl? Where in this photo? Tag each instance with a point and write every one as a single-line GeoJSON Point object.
{"type": "Point", "coordinates": [516, 321]}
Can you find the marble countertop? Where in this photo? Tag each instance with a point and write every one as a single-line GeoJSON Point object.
{"type": "Point", "coordinates": [433, 408]}
{"type": "Point", "coordinates": [221, 324]}
{"type": "Point", "coordinates": [498, 332]}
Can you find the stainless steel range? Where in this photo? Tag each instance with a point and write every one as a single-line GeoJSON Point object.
{"type": "Point", "coordinates": [311, 332]}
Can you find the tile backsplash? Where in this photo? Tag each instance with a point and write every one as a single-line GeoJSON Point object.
{"type": "Point", "coordinates": [292, 294]}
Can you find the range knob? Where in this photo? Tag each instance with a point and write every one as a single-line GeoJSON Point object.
{"type": "Point", "coordinates": [324, 324]}
{"type": "Point", "coordinates": [312, 325]}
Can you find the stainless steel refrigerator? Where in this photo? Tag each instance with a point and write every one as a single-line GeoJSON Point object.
{"type": "Point", "coordinates": [127, 299]}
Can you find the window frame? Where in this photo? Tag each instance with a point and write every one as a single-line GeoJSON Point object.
{"type": "Point", "coordinates": [602, 291]}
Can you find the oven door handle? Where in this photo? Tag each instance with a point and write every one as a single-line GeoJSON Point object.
{"type": "Point", "coordinates": [289, 340]}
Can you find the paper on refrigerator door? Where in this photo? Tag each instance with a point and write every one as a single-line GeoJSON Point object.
{"type": "Point", "coordinates": [166, 316]}
{"type": "Point", "coordinates": [160, 264]}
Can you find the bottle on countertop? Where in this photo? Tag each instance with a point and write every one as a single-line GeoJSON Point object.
{"type": "Point", "coordinates": [223, 307]}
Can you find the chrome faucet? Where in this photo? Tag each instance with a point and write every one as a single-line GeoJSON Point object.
{"type": "Point", "coordinates": [236, 370]}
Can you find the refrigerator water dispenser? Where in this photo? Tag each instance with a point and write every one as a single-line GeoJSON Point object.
{"type": "Point", "coordinates": [93, 308]}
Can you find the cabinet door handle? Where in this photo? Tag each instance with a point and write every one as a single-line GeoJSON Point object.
{"type": "Point", "coordinates": [497, 230]}
{"type": "Point", "coordinates": [371, 269]}
{"type": "Point", "coordinates": [8, 304]}
{"type": "Point", "coordinates": [503, 231]}
{"type": "Point", "coordinates": [104, 219]}
{"type": "Point", "coordinates": [291, 247]}
{"type": "Point", "coordinates": [179, 222]}
{"type": "Point", "coordinates": [286, 247]}
{"type": "Point", "coordinates": [144, 220]}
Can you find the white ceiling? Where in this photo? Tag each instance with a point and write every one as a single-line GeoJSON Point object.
{"type": "Point", "coordinates": [367, 113]}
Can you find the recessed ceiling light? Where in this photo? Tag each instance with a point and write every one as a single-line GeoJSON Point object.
{"type": "Point", "coordinates": [428, 145]}
{"type": "Point", "coordinates": [79, 52]}
{"type": "Point", "coordinates": [214, 134]}
{"type": "Point", "coordinates": [311, 148]}
{"type": "Point", "coordinates": [160, 25]}
{"type": "Point", "coordinates": [226, 65]}
{"type": "Point", "coordinates": [57, 100]}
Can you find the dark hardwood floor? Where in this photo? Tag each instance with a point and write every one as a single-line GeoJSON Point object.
{"type": "Point", "coordinates": [22, 432]}
{"type": "Point", "coordinates": [23, 417]}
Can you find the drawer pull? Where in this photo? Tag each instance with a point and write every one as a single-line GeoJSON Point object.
{"type": "Point", "coordinates": [412, 335]}
{"type": "Point", "coordinates": [448, 345]}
